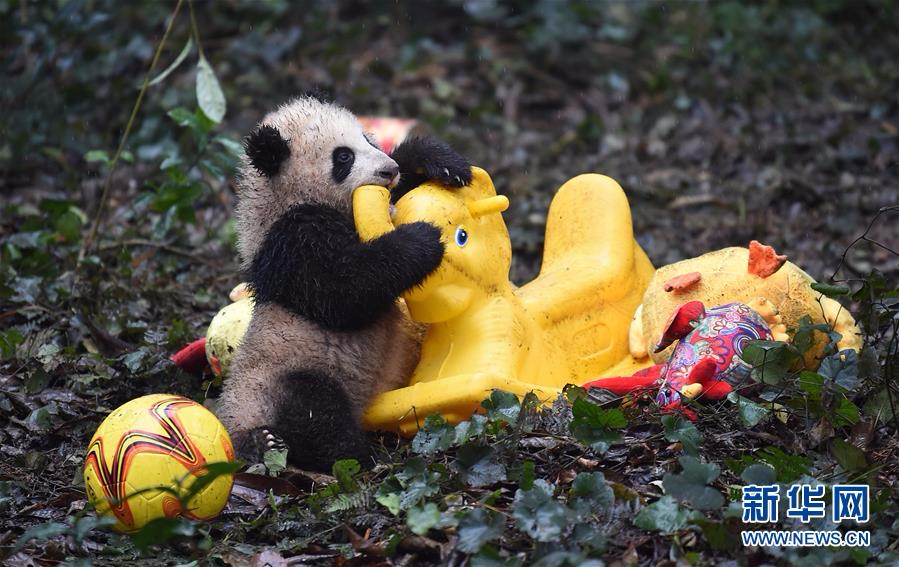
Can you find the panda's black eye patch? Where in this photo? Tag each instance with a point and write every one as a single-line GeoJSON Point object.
{"type": "Point", "coordinates": [342, 163]}
{"type": "Point", "coordinates": [267, 150]}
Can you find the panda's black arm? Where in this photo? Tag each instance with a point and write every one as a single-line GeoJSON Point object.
{"type": "Point", "coordinates": [423, 159]}
{"type": "Point", "coordinates": [313, 263]}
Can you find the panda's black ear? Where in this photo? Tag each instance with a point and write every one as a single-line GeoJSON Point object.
{"type": "Point", "coordinates": [316, 93]}
{"type": "Point", "coordinates": [267, 150]}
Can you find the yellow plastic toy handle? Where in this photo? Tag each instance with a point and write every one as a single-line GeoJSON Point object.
{"type": "Point", "coordinates": [371, 211]}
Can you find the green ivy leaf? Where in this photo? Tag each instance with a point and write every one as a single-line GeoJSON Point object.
{"type": "Point", "coordinates": [759, 473]}
{"type": "Point", "coordinates": [718, 535]}
{"type": "Point", "coordinates": [812, 384]}
{"type": "Point", "coordinates": [345, 471]}
{"type": "Point", "coordinates": [37, 380]}
{"type": "Point", "coordinates": [41, 531]}
{"type": "Point", "coordinates": [209, 93]}
{"type": "Point", "coordinates": [850, 457]}
{"type": "Point", "coordinates": [691, 484]}
{"type": "Point", "coordinates": [664, 515]}
{"type": "Point", "coordinates": [87, 524]}
{"type": "Point", "coordinates": [538, 514]}
{"type": "Point", "coordinates": [771, 360]}
{"type": "Point", "coordinates": [878, 404]}
{"type": "Point", "coordinates": [598, 417]}
{"type": "Point", "coordinates": [842, 368]}
{"type": "Point", "coordinates": [502, 407]}
{"type": "Point", "coordinates": [679, 429]}
{"type": "Point", "coordinates": [9, 341]}
{"type": "Point", "coordinates": [788, 467]}
{"type": "Point", "coordinates": [588, 537]}
{"type": "Point", "coordinates": [388, 495]}
{"type": "Point", "coordinates": [40, 418]}
{"type": "Point", "coordinates": [477, 527]}
{"type": "Point", "coordinates": [590, 493]}
{"type": "Point", "coordinates": [420, 520]}
{"type": "Point", "coordinates": [101, 156]}
{"type": "Point", "coordinates": [134, 361]}
{"type": "Point", "coordinates": [68, 225]}
{"type": "Point", "coordinates": [490, 557]}
{"type": "Point", "coordinates": [477, 465]}
{"type": "Point", "coordinates": [418, 482]}
{"type": "Point", "coordinates": [845, 413]}
{"type": "Point", "coordinates": [594, 426]}
{"type": "Point", "coordinates": [275, 461]}
{"type": "Point", "coordinates": [469, 428]}
{"type": "Point", "coordinates": [751, 413]}
{"type": "Point", "coordinates": [573, 393]}
{"type": "Point", "coordinates": [175, 195]}
{"type": "Point", "coordinates": [435, 435]}
{"type": "Point", "coordinates": [831, 290]}
{"type": "Point", "coordinates": [561, 558]}
{"type": "Point", "coordinates": [804, 337]}
{"type": "Point", "coordinates": [161, 530]}
{"type": "Point", "coordinates": [527, 475]}
{"type": "Point", "coordinates": [183, 117]}
{"type": "Point", "coordinates": [210, 472]}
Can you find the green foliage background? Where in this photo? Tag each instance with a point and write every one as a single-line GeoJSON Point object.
{"type": "Point", "coordinates": [724, 121]}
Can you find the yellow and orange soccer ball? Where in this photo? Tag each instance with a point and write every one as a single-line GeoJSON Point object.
{"type": "Point", "coordinates": [151, 442]}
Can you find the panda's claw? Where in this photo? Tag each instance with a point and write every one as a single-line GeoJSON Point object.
{"type": "Point", "coordinates": [273, 441]}
{"type": "Point", "coordinates": [423, 159]}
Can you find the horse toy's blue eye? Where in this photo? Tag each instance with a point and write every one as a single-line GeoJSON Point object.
{"type": "Point", "coordinates": [461, 237]}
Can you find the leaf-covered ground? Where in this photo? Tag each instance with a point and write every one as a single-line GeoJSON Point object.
{"type": "Point", "coordinates": [724, 122]}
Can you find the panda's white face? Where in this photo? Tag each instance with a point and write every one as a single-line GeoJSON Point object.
{"type": "Point", "coordinates": [306, 151]}
{"type": "Point", "coordinates": [357, 161]}
{"type": "Point", "coordinates": [327, 154]}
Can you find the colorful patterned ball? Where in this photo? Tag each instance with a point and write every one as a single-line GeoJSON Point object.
{"type": "Point", "coordinates": [149, 444]}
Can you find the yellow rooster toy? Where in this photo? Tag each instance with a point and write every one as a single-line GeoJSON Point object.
{"type": "Point", "coordinates": [741, 275]}
{"type": "Point", "coordinates": [568, 325]}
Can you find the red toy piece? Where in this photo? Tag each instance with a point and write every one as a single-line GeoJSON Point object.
{"type": "Point", "coordinates": [192, 358]}
{"type": "Point", "coordinates": [705, 362]}
{"type": "Point", "coordinates": [763, 260]}
{"type": "Point", "coordinates": [683, 282]}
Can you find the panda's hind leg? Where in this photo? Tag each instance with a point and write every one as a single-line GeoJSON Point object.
{"type": "Point", "coordinates": [316, 422]}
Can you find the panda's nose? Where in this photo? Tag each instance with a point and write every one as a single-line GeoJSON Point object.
{"type": "Point", "coordinates": [389, 172]}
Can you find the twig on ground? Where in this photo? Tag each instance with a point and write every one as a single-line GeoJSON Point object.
{"type": "Point", "coordinates": [104, 196]}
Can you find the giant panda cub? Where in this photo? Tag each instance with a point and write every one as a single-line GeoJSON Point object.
{"type": "Point", "coordinates": [327, 334]}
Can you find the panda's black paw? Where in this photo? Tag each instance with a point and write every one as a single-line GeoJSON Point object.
{"type": "Point", "coordinates": [273, 442]}
{"type": "Point", "coordinates": [424, 159]}
{"type": "Point", "coordinates": [251, 445]}
{"type": "Point", "coordinates": [422, 250]}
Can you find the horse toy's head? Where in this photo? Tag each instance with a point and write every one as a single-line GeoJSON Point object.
{"type": "Point", "coordinates": [478, 252]}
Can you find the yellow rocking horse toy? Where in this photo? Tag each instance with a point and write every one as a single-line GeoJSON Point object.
{"type": "Point", "coordinates": [567, 325]}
